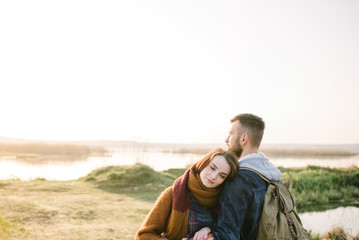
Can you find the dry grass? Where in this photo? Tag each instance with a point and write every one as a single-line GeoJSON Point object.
{"type": "Point", "coordinates": [110, 203]}
{"type": "Point", "coordinates": [337, 233]}
{"type": "Point", "coordinates": [67, 210]}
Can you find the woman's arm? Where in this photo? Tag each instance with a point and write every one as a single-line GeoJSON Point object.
{"type": "Point", "coordinates": [156, 221]}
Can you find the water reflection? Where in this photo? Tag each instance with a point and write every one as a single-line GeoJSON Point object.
{"type": "Point", "coordinates": [331, 163]}
{"type": "Point", "coordinates": [344, 217]}
{"type": "Point", "coordinates": [11, 168]}
{"type": "Point", "coordinates": [51, 170]}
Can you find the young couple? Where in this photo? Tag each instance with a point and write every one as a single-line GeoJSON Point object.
{"type": "Point", "coordinates": [214, 197]}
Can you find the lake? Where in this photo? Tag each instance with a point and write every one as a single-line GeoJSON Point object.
{"type": "Point", "coordinates": [319, 222]}
{"type": "Point", "coordinates": [158, 159]}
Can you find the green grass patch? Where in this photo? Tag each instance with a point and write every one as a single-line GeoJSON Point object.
{"type": "Point", "coordinates": [319, 185]}
{"type": "Point", "coordinates": [7, 229]}
{"type": "Point", "coordinates": [136, 180]}
{"type": "Point", "coordinates": [309, 186]}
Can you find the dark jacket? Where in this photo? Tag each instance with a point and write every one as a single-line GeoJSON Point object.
{"type": "Point", "coordinates": [241, 204]}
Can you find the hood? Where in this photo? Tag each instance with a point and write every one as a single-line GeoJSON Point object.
{"type": "Point", "coordinates": [259, 162]}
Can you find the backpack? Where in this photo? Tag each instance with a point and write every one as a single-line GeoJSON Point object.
{"type": "Point", "coordinates": [279, 220]}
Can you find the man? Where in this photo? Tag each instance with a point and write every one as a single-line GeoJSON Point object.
{"type": "Point", "coordinates": [242, 199]}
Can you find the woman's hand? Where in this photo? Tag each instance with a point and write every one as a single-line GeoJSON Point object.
{"type": "Point", "coordinates": [202, 234]}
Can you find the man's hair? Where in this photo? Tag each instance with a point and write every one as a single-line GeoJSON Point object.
{"type": "Point", "coordinates": [252, 125]}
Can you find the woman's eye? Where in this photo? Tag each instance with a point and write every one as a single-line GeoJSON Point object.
{"type": "Point", "coordinates": [223, 176]}
{"type": "Point", "coordinates": [212, 168]}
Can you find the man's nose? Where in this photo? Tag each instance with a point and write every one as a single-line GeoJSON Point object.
{"type": "Point", "coordinates": [227, 140]}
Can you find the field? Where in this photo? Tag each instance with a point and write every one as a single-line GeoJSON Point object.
{"type": "Point", "coordinates": [67, 210]}
{"type": "Point", "coordinates": [108, 204]}
{"type": "Point", "coordinates": [112, 202]}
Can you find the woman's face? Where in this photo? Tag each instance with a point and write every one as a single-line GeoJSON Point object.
{"type": "Point", "coordinates": [216, 172]}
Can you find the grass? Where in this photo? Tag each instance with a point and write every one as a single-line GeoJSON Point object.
{"type": "Point", "coordinates": [335, 233]}
{"type": "Point", "coordinates": [7, 229]}
{"type": "Point", "coordinates": [320, 185]}
{"type": "Point", "coordinates": [111, 202]}
{"type": "Point", "coordinates": [138, 181]}
{"type": "Point", "coordinates": [68, 210]}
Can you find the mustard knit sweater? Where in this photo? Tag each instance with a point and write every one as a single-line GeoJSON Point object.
{"type": "Point", "coordinates": [157, 219]}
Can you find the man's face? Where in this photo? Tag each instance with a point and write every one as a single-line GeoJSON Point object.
{"type": "Point", "coordinates": [233, 138]}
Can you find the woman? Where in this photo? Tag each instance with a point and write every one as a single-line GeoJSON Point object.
{"type": "Point", "coordinates": [189, 205]}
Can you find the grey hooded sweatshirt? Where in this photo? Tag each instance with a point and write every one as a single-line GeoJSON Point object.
{"type": "Point", "coordinates": [259, 162]}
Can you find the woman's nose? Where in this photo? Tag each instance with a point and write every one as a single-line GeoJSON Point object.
{"type": "Point", "coordinates": [214, 176]}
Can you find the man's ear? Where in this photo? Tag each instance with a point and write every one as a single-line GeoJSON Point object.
{"type": "Point", "coordinates": [244, 139]}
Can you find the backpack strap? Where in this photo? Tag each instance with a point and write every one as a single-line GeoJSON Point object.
{"type": "Point", "coordinates": [259, 174]}
{"type": "Point", "coordinates": [285, 209]}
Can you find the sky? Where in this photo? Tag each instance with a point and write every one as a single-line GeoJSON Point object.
{"type": "Point", "coordinates": [178, 71]}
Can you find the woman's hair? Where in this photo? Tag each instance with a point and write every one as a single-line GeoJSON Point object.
{"type": "Point", "coordinates": [206, 160]}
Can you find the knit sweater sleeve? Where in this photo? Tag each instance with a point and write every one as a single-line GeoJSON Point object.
{"type": "Point", "coordinates": [156, 221]}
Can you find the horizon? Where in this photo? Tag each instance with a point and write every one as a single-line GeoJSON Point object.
{"type": "Point", "coordinates": [10, 139]}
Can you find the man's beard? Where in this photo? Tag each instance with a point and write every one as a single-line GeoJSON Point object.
{"type": "Point", "coordinates": [236, 150]}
